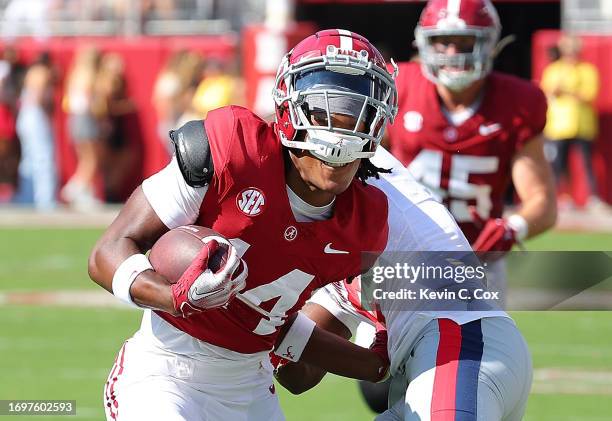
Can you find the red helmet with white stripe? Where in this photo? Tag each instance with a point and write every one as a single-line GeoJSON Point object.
{"type": "Point", "coordinates": [476, 19]}
{"type": "Point", "coordinates": [334, 72]}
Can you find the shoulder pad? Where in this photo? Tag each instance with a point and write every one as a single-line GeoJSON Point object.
{"type": "Point", "coordinates": [193, 153]}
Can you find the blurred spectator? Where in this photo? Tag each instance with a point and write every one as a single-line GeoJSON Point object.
{"type": "Point", "coordinates": [9, 153]}
{"type": "Point", "coordinates": [37, 167]}
{"type": "Point", "coordinates": [218, 88]}
{"type": "Point", "coordinates": [83, 110]}
{"type": "Point", "coordinates": [572, 86]}
{"type": "Point", "coordinates": [11, 79]}
{"type": "Point", "coordinates": [114, 106]}
{"type": "Point", "coordinates": [174, 90]}
{"type": "Point", "coordinates": [160, 9]}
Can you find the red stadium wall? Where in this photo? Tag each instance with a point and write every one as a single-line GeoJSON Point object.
{"type": "Point", "coordinates": [595, 50]}
{"type": "Point", "coordinates": [143, 59]}
{"type": "Point", "coordinates": [262, 51]}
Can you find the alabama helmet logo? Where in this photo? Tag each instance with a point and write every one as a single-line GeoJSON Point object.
{"type": "Point", "coordinates": [251, 201]}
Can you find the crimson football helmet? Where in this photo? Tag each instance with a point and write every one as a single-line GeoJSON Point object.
{"type": "Point", "coordinates": [334, 72]}
{"type": "Point", "coordinates": [474, 18]}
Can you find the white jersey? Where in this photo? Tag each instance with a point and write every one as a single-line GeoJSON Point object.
{"type": "Point", "coordinates": [417, 223]}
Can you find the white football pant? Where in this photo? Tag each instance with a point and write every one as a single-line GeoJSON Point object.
{"type": "Point", "coordinates": [148, 383]}
{"type": "Point", "coordinates": [479, 371]}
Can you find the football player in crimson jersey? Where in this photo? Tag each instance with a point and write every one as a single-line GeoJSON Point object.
{"type": "Point", "coordinates": [465, 131]}
{"type": "Point", "coordinates": [293, 201]}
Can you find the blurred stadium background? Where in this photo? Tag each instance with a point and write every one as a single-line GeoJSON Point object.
{"type": "Point", "coordinates": [60, 333]}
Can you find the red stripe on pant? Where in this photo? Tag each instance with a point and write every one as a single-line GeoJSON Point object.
{"type": "Point", "coordinates": [107, 396]}
{"type": "Point", "coordinates": [445, 378]}
{"type": "Point", "coordinates": [112, 403]}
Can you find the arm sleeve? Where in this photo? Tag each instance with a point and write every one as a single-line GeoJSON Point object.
{"type": "Point", "coordinates": [173, 200]}
{"type": "Point", "coordinates": [331, 298]}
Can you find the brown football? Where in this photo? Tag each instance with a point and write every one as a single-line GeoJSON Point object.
{"type": "Point", "coordinates": [175, 250]}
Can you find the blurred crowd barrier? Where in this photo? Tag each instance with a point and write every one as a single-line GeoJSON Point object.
{"type": "Point", "coordinates": [595, 50]}
{"type": "Point", "coordinates": [47, 18]}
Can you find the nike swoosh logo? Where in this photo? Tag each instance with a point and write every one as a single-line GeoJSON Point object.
{"type": "Point", "coordinates": [485, 130]}
{"type": "Point", "coordinates": [195, 296]}
{"type": "Point", "coordinates": [329, 250]}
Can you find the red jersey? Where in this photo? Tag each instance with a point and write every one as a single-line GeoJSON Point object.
{"type": "Point", "coordinates": [470, 164]}
{"type": "Point", "coordinates": [247, 200]}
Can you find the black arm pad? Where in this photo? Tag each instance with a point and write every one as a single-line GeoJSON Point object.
{"type": "Point", "coordinates": [193, 153]}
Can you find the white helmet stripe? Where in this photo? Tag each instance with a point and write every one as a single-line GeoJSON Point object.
{"type": "Point", "coordinates": [453, 7]}
{"type": "Point", "coordinates": [346, 40]}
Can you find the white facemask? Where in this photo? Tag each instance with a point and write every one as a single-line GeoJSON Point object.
{"type": "Point", "coordinates": [336, 148]}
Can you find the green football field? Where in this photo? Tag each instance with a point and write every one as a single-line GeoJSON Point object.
{"type": "Point", "coordinates": [65, 352]}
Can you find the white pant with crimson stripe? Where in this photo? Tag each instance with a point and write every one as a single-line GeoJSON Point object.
{"type": "Point", "coordinates": [148, 383]}
{"type": "Point", "coordinates": [479, 371]}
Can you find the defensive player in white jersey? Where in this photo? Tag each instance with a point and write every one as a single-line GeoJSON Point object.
{"type": "Point", "coordinates": [466, 132]}
{"type": "Point", "coordinates": [468, 363]}
{"type": "Point", "coordinates": [292, 196]}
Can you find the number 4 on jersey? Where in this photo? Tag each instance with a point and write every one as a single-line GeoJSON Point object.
{"type": "Point", "coordinates": [287, 289]}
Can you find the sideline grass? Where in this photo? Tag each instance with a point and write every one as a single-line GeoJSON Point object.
{"type": "Point", "coordinates": [45, 259]}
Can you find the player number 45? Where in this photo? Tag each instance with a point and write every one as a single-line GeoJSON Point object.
{"type": "Point", "coordinates": [427, 168]}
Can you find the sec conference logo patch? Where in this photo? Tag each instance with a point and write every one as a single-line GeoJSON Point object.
{"type": "Point", "coordinates": [251, 201]}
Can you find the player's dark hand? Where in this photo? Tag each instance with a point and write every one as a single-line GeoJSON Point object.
{"type": "Point", "coordinates": [199, 288]}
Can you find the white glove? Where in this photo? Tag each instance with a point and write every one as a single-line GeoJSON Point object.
{"type": "Point", "coordinates": [200, 288]}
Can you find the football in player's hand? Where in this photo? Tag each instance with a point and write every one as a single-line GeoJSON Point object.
{"type": "Point", "coordinates": [176, 249]}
